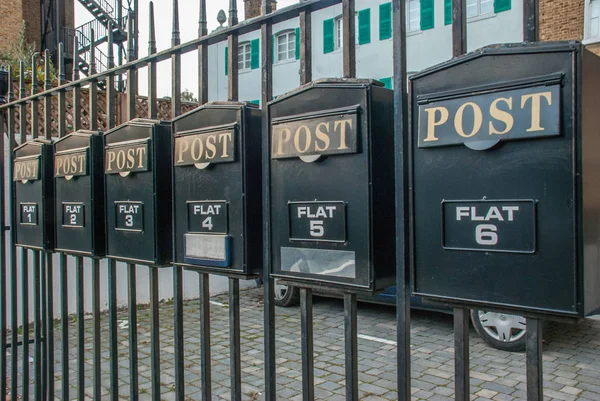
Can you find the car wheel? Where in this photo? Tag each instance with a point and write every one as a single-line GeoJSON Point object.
{"type": "Point", "coordinates": [500, 330]}
{"type": "Point", "coordinates": [286, 295]}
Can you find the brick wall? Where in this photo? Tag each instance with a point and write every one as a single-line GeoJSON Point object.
{"type": "Point", "coordinates": [561, 19]}
{"type": "Point", "coordinates": [252, 8]}
{"type": "Point", "coordinates": [11, 15]}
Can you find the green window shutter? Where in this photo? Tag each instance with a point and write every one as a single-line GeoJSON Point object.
{"type": "Point", "coordinates": [257, 102]}
{"type": "Point", "coordinates": [447, 12]}
{"type": "Point", "coordinates": [364, 26]}
{"type": "Point", "coordinates": [385, 21]}
{"type": "Point", "coordinates": [387, 82]}
{"type": "Point", "coordinates": [328, 37]}
{"type": "Point", "coordinates": [297, 43]}
{"type": "Point", "coordinates": [255, 54]}
{"type": "Point", "coordinates": [426, 14]}
{"type": "Point", "coordinates": [501, 5]}
{"type": "Point", "coordinates": [273, 47]}
{"type": "Point", "coordinates": [226, 61]}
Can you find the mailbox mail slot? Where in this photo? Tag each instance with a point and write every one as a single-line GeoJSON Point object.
{"type": "Point", "coordinates": [34, 195]}
{"type": "Point", "coordinates": [79, 190]}
{"type": "Point", "coordinates": [331, 185]}
{"type": "Point", "coordinates": [137, 182]}
{"type": "Point", "coordinates": [217, 189]}
{"type": "Point", "coordinates": [505, 170]}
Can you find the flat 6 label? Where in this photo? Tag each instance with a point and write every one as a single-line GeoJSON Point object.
{"type": "Point", "coordinates": [318, 221]}
{"type": "Point", "coordinates": [488, 225]}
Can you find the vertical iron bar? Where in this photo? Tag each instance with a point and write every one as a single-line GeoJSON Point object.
{"type": "Point", "coordinates": [233, 14]}
{"type": "Point", "coordinates": [152, 104]}
{"type": "Point", "coordinates": [35, 131]}
{"type": "Point", "coordinates": [131, 74]}
{"type": "Point", "coordinates": [110, 81]}
{"type": "Point", "coordinates": [64, 315]}
{"type": "Point", "coordinates": [351, 345]}
{"type": "Point", "coordinates": [305, 47]}
{"type": "Point", "coordinates": [202, 56]}
{"type": "Point", "coordinates": [93, 91]}
{"type": "Point", "coordinates": [349, 42]}
{"type": "Point", "coordinates": [205, 361]}
{"type": "Point", "coordinates": [96, 317]}
{"type": "Point", "coordinates": [80, 329]}
{"type": "Point", "coordinates": [112, 329]}
{"type": "Point", "coordinates": [400, 173]}
{"type": "Point", "coordinates": [76, 89]}
{"type": "Point", "coordinates": [232, 68]}
{"type": "Point", "coordinates": [234, 340]}
{"type": "Point", "coordinates": [175, 64]}
{"type": "Point", "coordinates": [133, 342]}
{"type": "Point", "coordinates": [530, 20]}
{"type": "Point", "coordinates": [155, 333]}
{"type": "Point", "coordinates": [25, 322]}
{"type": "Point", "coordinates": [535, 380]}
{"type": "Point", "coordinates": [306, 313]}
{"type": "Point", "coordinates": [269, 305]}
{"type": "Point", "coordinates": [461, 354]}
{"type": "Point", "coordinates": [459, 27]}
{"type": "Point", "coordinates": [37, 329]}
{"type": "Point", "coordinates": [4, 259]}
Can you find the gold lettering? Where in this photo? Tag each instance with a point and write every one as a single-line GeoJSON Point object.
{"type": "Point", "coordinates": [130, 158]}
{"type": "Point", "coordinates": [225, 138]}
{"type": "Point", "coordinates": [323, 136]}
{"type": "Point", "coordinates": [73, 165]}
{"type": "Point", "coordinates": [307, 141]}
{"type": "Point", "coordinates": [342, 125]}
{"type": "Point", "coordinates": [141, 151]}
{"type": "Point", "coordinates": [477, 120]}
{"type": "Point", "coordinates": [200, 147]}
{"type": "Point", "coordinates": [81, 161]}
{"type": "Point", "coordinates": [536, 108]}
{"type": "Point", "coordinates": [210, 147]}
{"type": "Point", "coordinates": [121, 160]}
{"type": "Point", "coordinates": [111, 156]}
{"type": "Point", "coordinates": [501, 115]}
{"type": "Point", "coordinates": [59, 163]}
{"type": "Point", "coordinates": [432, 123]}
{"type": "Point", "coordinates": [183, 146]}
{"type": "Point", "coordinates": [282, 139]}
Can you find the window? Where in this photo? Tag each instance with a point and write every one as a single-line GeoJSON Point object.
{"type": "Point", "coordinates": [479, 7]}
{"type": "Point", "coordinates": [592, 13]}
{"type": "Point", "coordinates": [339, 33]}
{"type": "Point", "coordinates": [244, 56]}
{"type": "Point", "coordinates": [413, 15]}
{"type": "Point", "coordinates": [286, 46]}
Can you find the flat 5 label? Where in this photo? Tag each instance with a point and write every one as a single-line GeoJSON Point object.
{"type": "Point", "coordinates": [130, 216]}
{"type": "Point", "coordinates": [208, 217]}
{"type": "Point", "coordinates": [492, 226]}
{"type": "Point", "coordinates": [318, 221]}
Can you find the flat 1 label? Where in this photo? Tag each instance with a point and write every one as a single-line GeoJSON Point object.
{"type": "Point", "coordinates": [318, 221]}
{"type": "Point", "coordinates": [29, 214]}
{"type": "Point", "coordinates": [130, 216]}
{"type": "Point", "coordinates": [489, 225]}
{"type": "Point", "coordinates": [208, 217]}
{"type": "Point", "coordinates": [73, 215]}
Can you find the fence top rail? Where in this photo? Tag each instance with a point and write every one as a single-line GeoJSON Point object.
{"type": "Point", "coordinates": [242, 28]}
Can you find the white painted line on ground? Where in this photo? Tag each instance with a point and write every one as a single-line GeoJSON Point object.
{"type": "Point", "coordinates": [218, 304]}
{"type": "Point", "coordinates": [377, 339]}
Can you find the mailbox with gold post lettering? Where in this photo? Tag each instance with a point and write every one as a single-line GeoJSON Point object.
{"type": "Point", "coordinates": [137, 184]}
{"type": "Point", "coordinates": [217, 189]}
{"type": "Point", "coordinates": [79, 191]}
{"type": "Point", "coordinates": [331, 185]}
{"type": "Point", "coordinates": [34, 195]}
{"type": "Point", "coordinates": [505, 157]}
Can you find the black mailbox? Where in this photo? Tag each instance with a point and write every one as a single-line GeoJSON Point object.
{"type": "Point", "coordinates": [137, 184]}
{"type": "Point", "coordinates": [79, 191]}
{"type": "Point", "coordinates": [505, 169]}
{"type": "Point", "coordinates": [217, 189]}
{"type": "Point", "coordinates": [332, 185]}
{"type": "Point", "coordinates": [34, 195]}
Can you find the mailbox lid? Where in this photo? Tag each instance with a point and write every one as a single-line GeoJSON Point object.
{"type": "Point", "coordinates": [34, 198]}
{"type": "Point", "coordinates": [145, 188]}
{"type": "Point", "coordinates": [341, 181]}
{"type": "Point", "coordinates": [79, 190]}
{"type": "Point", "coordinates": [467, 248]}
{"type": "Point", "coordinates": [229, 181]}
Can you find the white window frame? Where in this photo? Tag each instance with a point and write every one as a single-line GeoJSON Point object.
{"type": "Point", "coordinates": [417, 7]}
{"type": "Point", "coordinates": [588, 37]}
{"type": "Point", "coordinates": [338, 32]}
{"type": "Point", "coordinates": [480, 14]}
{"type": "Point", "coordinates": [244, 56]}
{"type": "Point", "coordinates": [288, 34]}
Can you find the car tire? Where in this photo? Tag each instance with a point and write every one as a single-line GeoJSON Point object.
{"type": "Point", "coordinates": [502, 331]}
{"type": "Point", "coordinates": [286, 295]}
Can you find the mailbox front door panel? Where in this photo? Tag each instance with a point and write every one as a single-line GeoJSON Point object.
{"type": "Point", "coordinates": [495, 199]}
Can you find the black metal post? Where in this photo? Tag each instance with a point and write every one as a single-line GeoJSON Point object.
{"type": "Point", "coordinates": [461, 354]}
{"type": "Point", "coordinates": [535, 380]}
{"type": "Point", "coordinates": [25, 322]}
{"type": "Point", "coordinates": [459, 27]}
{"type": "Point", "coordinates": [530, 20]}
{"type": "Point", "coordinates": [80, 329]}
{"type": "Point", "coordinates": [96, 315]}
{"type": "Point", "coordinates": [351, 345]}
{"type": "Point", "coordinates": [206, 366]}
{"type": "Point", "coordinates": [306, 330]}
{"type": "Point", "coordinates": [112, 330]}
{"type": "Point", "coordinates": [234, 339]}
{"type": "Point", "coordinates": [155, 334]}
{"type": "Point", "coordinates": [305, 47]}
{"type": "Point", "coordinates": [37, 328]}
{"type": "Point", "coordinates": [133, 342]}
{"type": "Point", "coordinates": [349, 41]}
{"type": "Point", "coordinates": [64, 322]}
{"type": "Point", "coordinates": [202, 56]}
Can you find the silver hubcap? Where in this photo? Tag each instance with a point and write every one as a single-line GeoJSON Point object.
{"type": "Point", "coordinates": [501, 326]}
{"type": "Point", "coordinates": [280, 291]}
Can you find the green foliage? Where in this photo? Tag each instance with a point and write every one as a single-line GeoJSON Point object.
{"type": "Point", "coordinates": [188, 96]}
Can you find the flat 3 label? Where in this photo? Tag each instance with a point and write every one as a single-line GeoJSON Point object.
{"type": "Point", "coordinates": [130, 216]}
{"type": "Point", "coordinates": [491, 226]}
{"type": "Point", "coordinates": [318, 221]}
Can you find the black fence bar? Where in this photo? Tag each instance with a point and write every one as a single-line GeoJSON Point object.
{"type": "Point", "coordinates": [530, 20]}
{"type": "Point", "coordinates": [152, 94]}
{"type": "Point", "coordinates": [461, 354]}
{"type": "Point", "coordinates": [305, 47]}
{"type": "Point", "coordinates": [79, 289]}
{"type": "Point", "coordinates": [349, 38]}
{"type": "Point", "coordinates": [97, 373]}
{"type": "Point", "coordinates": [535, 380]}
{"type": "Point", "coordinates": [205, 361]}
{"type": "Point", "coordinates": [112, 330]}
{"type": "Point", "coordinates": [4, 267]}
{"type": "Point", "coordinates": [234, 340]}
{"type": "Point", "coordinates": [401, 180]}
{"type": "Point", "coordinates": [25, 322]}
{"type": "Point", "coordinates": [154, 334]}
{"type": "Point", "coordinates": [12, 251]}
{"type": "Point", "coordinates": [351, 346]}
{"type": "Point", "coordinates": [306, 330]}
{"type": "Point", "coordinates": [133, 338]}
{"type": "Point", "coordinates": [64, 313]}
{"type": "Point", "coordinates": [459, 27]}
{"type": "Point", "coordinates": [202, 56]}
{"type": "Point", "coordinates": [37, 328]}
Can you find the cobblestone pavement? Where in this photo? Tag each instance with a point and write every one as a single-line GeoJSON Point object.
{"type": "Point", "coordinates": [571, 355]}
